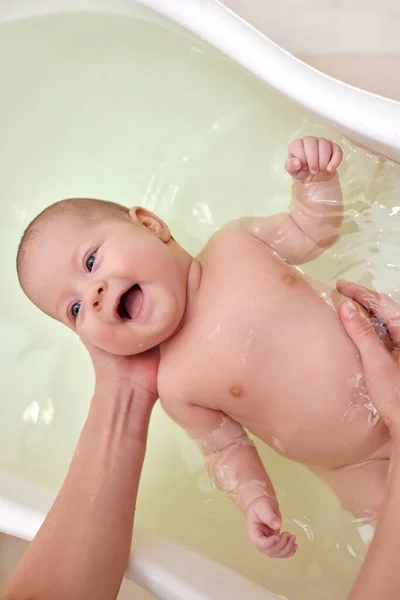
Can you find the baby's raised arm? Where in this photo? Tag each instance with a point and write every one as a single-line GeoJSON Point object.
{"type": "Point", "coordinates": [236, 468]}
{"type": "Point", "coordinates": [315, 216]}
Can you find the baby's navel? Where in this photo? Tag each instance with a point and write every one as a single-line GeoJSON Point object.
{"type": "Point", "coordinates": [235, 390]}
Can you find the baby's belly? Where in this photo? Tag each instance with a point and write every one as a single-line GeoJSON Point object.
{"type": "Point", "coordinates": [296, 381]}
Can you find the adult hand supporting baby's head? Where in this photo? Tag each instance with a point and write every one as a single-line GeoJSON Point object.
{"type": "Point", "coordinates": [381, 366]}
{"type": "Point", "coordinates": [137, 371]}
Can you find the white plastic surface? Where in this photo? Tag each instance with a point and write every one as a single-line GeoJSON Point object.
{"type": "Point", "coordinates": [169, 570]}
{"type": "Point", "coordinates": [369, 119]}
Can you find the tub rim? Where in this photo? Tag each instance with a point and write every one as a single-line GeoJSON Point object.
{"type": "Point", "coordinates": [367, 118]}
{"type": "Point", "coordinates": [155, 563]}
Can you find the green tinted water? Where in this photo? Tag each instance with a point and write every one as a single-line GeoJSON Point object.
{"type": "Point", "coordinates": [120, 109]}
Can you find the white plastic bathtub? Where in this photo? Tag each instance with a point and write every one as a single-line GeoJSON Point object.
{"type": "Point", "coordinates": [167, 569]}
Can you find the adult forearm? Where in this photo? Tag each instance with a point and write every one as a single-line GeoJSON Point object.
{"type": "Point", "coordinates": [380, 574]}
{"type": "Point", "coordinates": [81, 551]}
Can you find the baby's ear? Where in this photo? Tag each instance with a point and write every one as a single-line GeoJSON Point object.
{"type": "Point", "coordinates": [145, 218]}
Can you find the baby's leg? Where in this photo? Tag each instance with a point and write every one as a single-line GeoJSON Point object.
{"type": "Point", "coordinates": [360, 487]}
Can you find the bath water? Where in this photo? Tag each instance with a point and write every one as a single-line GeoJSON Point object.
{"type": "Point", "coordinates": [122, 109]}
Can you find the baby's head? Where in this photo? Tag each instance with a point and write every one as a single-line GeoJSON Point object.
{"type": "Point", "coordinates": [113, 275]}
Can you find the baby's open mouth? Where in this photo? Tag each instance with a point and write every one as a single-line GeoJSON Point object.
{"type": "Point", "coordinates": [130, 303]}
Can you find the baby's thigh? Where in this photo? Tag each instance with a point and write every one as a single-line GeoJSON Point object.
{"type": "Point", "coordinates": [360, 487]}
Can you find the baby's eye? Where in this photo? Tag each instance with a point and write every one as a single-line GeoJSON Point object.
{"type": "Point", "coordinates": [75, 309]}
{"type": "Point", "coordinates": [90, 261]}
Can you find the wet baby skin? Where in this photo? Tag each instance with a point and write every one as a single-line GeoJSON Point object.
{"type": "Point", "coordinates": [247, 342]}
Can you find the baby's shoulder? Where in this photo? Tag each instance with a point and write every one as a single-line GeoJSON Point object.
{"type": "Point", "coordinates": [184, 377]}
{"type": "Point", "coordinates": [176, 383]}
{"type": "Point", "coordinates": [229, 236]}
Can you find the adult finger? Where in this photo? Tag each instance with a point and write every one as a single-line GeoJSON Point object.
{"type": "Point", "coordinates": [99, 357]}
{"type": "Point", "coordinates": [382, 375]}
{"type": "Point", "coordinates": [380, 305]}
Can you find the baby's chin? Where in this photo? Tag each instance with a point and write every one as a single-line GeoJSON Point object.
{"type": "Point", "coordinates": [126, 342]}
{"type": "Point", "coordinates": [122, 348]}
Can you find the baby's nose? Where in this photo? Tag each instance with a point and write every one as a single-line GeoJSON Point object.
{"type": "Point", "coordinates": [96, 294]}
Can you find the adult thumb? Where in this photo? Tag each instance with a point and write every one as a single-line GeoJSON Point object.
{"type": "Point", "coordinates": [361, 331]}
{"type": "Point", "coordinates": [381, 372]}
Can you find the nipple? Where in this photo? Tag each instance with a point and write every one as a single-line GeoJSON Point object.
{"type": "Point", "coordinates": [236, 391]}
{"type": "Point", "coordinates": [290, 279]}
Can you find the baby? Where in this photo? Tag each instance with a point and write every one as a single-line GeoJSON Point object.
{"type": "Point", "coordinates": [246, 341]}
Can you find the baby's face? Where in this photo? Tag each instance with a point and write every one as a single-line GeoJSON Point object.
{"type": "Point", "coordinates": [117, 282]}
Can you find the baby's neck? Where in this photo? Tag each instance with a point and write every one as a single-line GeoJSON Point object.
{"type": "Point", "coordinates": [193, 282]}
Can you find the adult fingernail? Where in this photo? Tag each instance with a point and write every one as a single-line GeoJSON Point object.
{"type": "Point", "coordinates": [349, 310]}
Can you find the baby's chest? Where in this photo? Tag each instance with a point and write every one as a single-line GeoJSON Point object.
{"type": "Point", "coordinates": [236, 329]}
{"type": "Point", "coordinates": [217, 364]}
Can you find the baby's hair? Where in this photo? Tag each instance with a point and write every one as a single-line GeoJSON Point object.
{"type": "Point", "coordinates": [87, 209]}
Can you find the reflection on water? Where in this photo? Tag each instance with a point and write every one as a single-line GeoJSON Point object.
{"type": "Point", "coordinates": [136, 114]}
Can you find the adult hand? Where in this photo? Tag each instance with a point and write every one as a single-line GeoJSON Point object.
{"type": "Point", "coordinates": [89, 527]}
{"type": "Point", "coordinates": [367, 319]}
{"type": "Point", "coordinates": [376, 333]}
{"type": "Point", "coordinates": [139, 369]}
